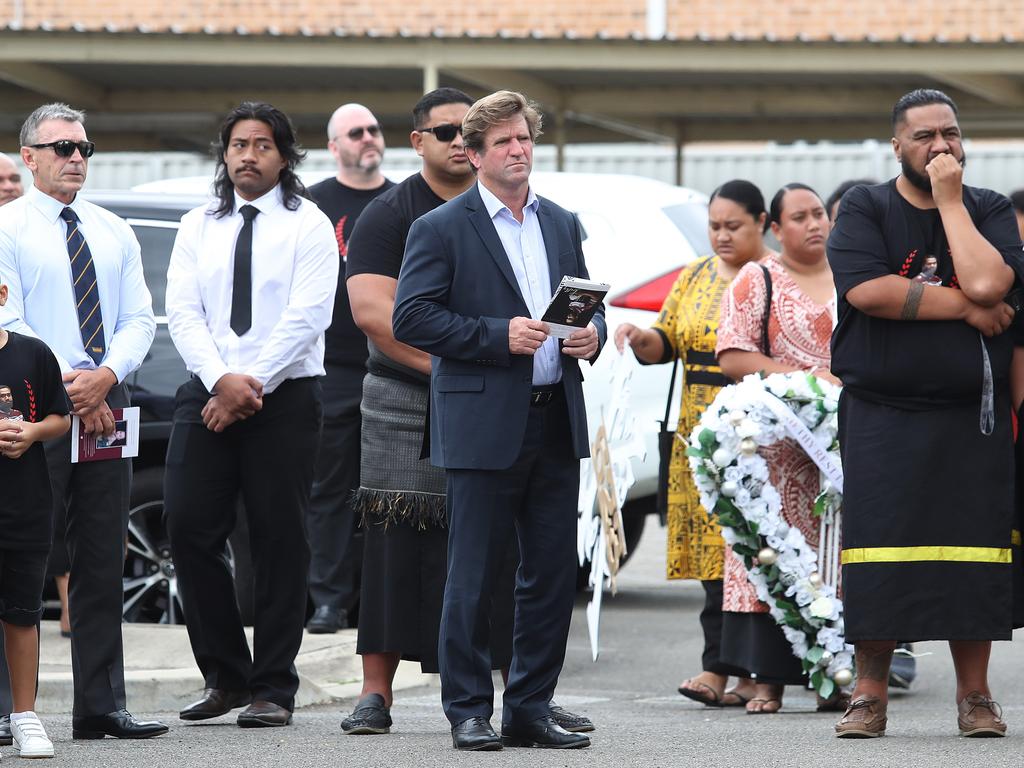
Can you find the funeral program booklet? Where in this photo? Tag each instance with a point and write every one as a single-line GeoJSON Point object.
{"type": "Point", "coordinates": [573, 305]}
{"type": "Point", "coordinates": [123, 443]}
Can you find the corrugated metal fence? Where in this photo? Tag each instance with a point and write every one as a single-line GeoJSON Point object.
{"type": "Point", "coordinates": [996, 165]}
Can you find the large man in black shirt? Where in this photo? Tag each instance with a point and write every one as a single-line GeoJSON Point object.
{"type": "Point", "coordinates": [356, 142]}
{"type": "Point", "coordinates": [922, 264]}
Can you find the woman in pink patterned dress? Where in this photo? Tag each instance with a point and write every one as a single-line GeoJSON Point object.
{"type": "Point", "coordinates": [799, 328]}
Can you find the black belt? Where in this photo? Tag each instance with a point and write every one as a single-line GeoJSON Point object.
{"type": "Point", "coordinates": [707, 378]}
{"type": "Point", "coordinates": [544, 394]}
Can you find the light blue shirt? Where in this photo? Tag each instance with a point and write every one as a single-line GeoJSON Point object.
{"type": "Point", "coordinates": [524, 246]}
{"type": "Point", "coordinates": [35, 265]}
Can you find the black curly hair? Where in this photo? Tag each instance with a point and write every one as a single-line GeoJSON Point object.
{"type": "Point", "coordinates": [287, 144]}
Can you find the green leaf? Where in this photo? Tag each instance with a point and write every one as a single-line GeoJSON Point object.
{"type": "Point", "coordinates": [816, 677]}
{"type": "Point", "coordinates": [827, 687]}
{"type": "Point", "coordinates": [819, 504]}
{"type": "Point", "coordinates": [691, 451]}
{"type": "Point", "coordinates": [707, 439]}
{"type": "Point", "coordinates": [814, 655]}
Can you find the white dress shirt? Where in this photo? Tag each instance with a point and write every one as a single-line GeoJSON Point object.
{"type": "Point", "coordinates": [35, 265]}
{"type": "Point", "coordinates": [524, 246]}
{"type": "Point", "coordinates": [294, 276]}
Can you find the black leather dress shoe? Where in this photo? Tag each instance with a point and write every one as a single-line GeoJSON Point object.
{"type": "Point", "coordinates": [6, 737]}
{"type": "Point", "coordinates": [475, 735]}
{"type": "Point", "coordinates": [326, 620]}
{"type": "Point", "coordinates": [214, 703]}
{"type": "Point", "coordinates": [543, 732]}
{"type": "Point", "coordinates": [570, 720]}
{"type": "Point", "coordinates": [264, 714]}
{"type": "Point", "coordinates": [120, 725]}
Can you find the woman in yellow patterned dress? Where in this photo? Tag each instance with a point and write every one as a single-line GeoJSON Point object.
{"type": "Point", "coordinates": [687, 328]}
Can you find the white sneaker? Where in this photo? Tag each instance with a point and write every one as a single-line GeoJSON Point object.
{"type": "Point", "coordinates": [30, 738]}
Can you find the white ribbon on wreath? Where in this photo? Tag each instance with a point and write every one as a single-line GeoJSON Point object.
{"type": "Point", "coordinates": [797, 583]}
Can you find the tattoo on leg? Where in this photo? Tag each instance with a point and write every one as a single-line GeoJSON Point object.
{"type": "Point", "coordinates": [873, 663]}
{"type": "Point", "coordinates": [913, 302]}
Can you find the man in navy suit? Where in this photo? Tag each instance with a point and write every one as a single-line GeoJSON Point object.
{"type": "Point", "coordinates": [507, 422]}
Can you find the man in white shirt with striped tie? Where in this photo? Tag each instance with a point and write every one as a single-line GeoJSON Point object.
{"type": "Point", "coordinates": [74, 271]}
{"type": "Point", "coordinates": [250, 290]}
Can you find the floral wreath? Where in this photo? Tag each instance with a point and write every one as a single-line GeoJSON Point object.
{"type": "Point", "coordinates": [734, 486]}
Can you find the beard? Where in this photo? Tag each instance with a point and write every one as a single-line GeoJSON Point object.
{"type": "Point", "coordinates": [922, 180]}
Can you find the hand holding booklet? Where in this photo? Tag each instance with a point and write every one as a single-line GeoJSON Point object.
{"type": "Point", "coordinates": [122, 443]}
{"type": "Point", "coordinates": [573, 305]}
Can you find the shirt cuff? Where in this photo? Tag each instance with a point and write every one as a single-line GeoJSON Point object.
{"type": "Point", "coordinates": [211, 374]}
{"type": "Point", "coordinates": [120, 368]}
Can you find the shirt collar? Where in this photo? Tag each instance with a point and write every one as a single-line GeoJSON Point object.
{"type": "Point", "coordinates": [494, 206]}
{"type": "Point", "coordinates": [264, 204]}
{"type": "Point", "coordinates": [50, 207]}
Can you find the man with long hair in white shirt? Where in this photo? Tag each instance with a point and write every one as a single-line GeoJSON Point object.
{"type": "Point", "coordinates": [250, 287]}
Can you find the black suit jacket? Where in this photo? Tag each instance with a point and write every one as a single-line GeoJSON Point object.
{"type": "Point", "coordinates": [456, 295]}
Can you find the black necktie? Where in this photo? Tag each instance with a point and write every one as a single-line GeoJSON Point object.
{"type": "Point", "coordinates": [241, 287]}
{"type": "Point", "coordinates": [87, 292]}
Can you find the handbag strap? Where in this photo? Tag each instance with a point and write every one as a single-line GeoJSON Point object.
{"type": "Point", "coordinates": [671, 389]}
{"type": "Point", "coordinates": [766, 346]}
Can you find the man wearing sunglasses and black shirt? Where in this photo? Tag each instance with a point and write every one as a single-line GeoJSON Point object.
{"type": "Point", "coordinates": [74, 271]}
{"type": "Point", "coordinates": [357, 144]}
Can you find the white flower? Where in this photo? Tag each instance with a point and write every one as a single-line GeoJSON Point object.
{"type": "Point", "coordinates": [748, 428]}
{"type": "Point", "coordinates": [823, 608]}
{"type": "Point", "coordinates": [797, 639]}
{"type": "Point", "coordinates": [831, 639]}
{"type": "Point", "coordinates": [733, 474]}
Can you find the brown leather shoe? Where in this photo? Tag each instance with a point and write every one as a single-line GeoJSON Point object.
{"type": "Point", "coordinates": [214, 703]}
{"type": "Point", "coordinates": [978, 715]}
{"type": "Point", "coordinates": [264, 714]}
{"type": "Point", "coordinates": [864, 719]}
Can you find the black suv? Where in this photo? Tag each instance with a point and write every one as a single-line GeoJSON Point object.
{"type": "Point", "coordinates": [150, 586]}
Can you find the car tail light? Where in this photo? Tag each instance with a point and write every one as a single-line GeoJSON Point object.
{"type": "Point", "coordinates": [650, 296]}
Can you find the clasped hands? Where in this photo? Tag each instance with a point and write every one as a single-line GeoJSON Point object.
{"type": "Point", "coordinates": [88, 391]}
{"type": "Point", "coordinates": [15, 437]}
{"type": "Point", "coordinates": [526, 335]}
{"type": "Point", "coordinates": [236, 396]}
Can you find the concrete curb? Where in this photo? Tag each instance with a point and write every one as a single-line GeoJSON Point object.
{"type": "Point", "coordinates": [161, 674]}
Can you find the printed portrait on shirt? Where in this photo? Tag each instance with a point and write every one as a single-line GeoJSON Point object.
{"type": "Point", "coordinates": [7, 409]}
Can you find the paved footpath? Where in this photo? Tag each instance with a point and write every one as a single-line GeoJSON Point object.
{"type": "Point", "coordinates": [650, 641]}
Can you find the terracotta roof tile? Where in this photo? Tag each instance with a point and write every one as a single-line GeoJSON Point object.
{"type": "Point", "coordinates": [883, 20]}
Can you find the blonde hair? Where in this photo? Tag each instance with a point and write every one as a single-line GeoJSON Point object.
{"type": "Point", "coordinates": [497, 108]}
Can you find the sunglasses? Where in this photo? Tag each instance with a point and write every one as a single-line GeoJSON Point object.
{"type": "Point", "coordinates": [67, 147]}
{"type": "Point", "coordinates": [444, 132]}
{"type": "Point", "coordinates": [357, 133]}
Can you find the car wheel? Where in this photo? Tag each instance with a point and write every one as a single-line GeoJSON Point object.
{"type": "Point", "coordinates": [150, 583]}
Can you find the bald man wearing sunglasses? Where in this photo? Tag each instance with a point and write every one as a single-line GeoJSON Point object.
{"type": "Point", "coordinates": [75, 279]}
{"type": "Point", "coordinates": [357, 144]}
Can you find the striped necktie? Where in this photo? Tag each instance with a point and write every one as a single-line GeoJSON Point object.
{"type": "Point", "coordinates": [87, 292]}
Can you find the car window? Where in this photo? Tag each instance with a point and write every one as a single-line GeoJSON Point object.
{"type": "Point", "coordinates": [692, 221]}
{"type": "Point", "coordinates": [156, 242]}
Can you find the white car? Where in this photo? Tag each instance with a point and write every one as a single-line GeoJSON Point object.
{"type": "Point", "coordinates": [639, 233]}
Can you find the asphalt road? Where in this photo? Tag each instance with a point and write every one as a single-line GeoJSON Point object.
{"type": "Point", "coordinates": [650, 641]}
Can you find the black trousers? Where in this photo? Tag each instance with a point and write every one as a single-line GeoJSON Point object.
{"type": "Point", "coordinates": [711, 620]}
{"type": "Point", "coordinates": [268, 459]}
{"type": "Point", "coordinates": [334, 541]}
{"type": "Point", "coordinates": [93, 498]}
{"type": "Point", "coordinates": [535, 499]}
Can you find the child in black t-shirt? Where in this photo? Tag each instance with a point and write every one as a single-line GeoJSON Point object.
{"type": "Point", "coordinates": [33, 408]}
